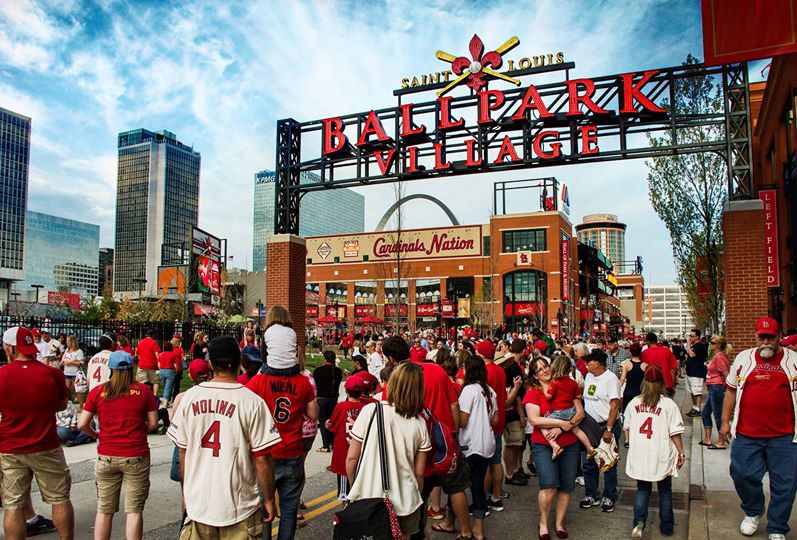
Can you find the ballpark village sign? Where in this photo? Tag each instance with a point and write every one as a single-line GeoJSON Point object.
{"type": "Point", "coordinates": [573, 120]}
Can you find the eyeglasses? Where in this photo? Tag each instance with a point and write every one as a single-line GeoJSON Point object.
{"type": "Point", "coordinates": [767, 337]}
{"type": "Point", "coordinates": [541, 369]}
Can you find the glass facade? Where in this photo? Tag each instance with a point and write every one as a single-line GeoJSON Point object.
{"type": "Point", "coordinates": [61, 255]}
{"type": "Point", "coordinates": [157, 200]}
{"type": "Point", "coordinates": [608, 237]}
{"type": "Point", "coordinates": [527, 240]}
{"type": "Point", "coordinates": [337, 211]}
{"type": "Point", "coordinates": [14, 160]}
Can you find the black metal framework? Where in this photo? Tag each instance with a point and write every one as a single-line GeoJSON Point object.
{"type": "Point", "coordinates": [548, 188]}
{"type": "Point", "coordinates": [620, 136]}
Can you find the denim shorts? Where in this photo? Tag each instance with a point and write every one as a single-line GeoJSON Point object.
{"type": "Point", "coordinates": [563, 414]}
{"type": "Point", "coordinates": [560, 474]}
{"type": "Point", "coordinates": [496, 459]}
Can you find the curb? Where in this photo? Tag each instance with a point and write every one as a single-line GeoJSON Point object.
{"type": "Point", "coordinates": [698, 513]}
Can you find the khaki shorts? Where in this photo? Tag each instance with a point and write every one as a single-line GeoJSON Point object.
{"type": "Point", "coordinates": [695, 385]}
{"type": "Point", "coordinates": [51, 472]}
{"type": "Point", "coordinates": [249, 529]}
{"type": "Point", "coordinates": [513, 434]}
{"type": "Point", "coordinates": [148, 376]}
{"type": "Point", "coordinates": [411, 523]}
{"type": "Point", "coordinates": [111, 473]}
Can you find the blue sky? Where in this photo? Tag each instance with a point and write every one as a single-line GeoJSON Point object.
{"type": "Point", "coordinates": [219, 75]}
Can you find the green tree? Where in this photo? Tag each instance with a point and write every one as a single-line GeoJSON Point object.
{"type": "Point", "coordinates": [688, 193]}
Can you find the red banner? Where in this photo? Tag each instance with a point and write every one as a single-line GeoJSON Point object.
{"type": "Point", "coordinates": [523, 309]}
{"type": "Point", "coordinates": [332, 311]}
{"type": "Point", "coordinates": [426, 310]}
{"type": "Point", "coordinates": [739, 30]}
{"type": "Point", "coordinates": [566, 269]}
{"type": "Point", "coordinates": [64, 299]}
{"type": "Point", "coordinates": [391, 310]}
{"type": "Point", "coordinates": [447, 309]}
{"type": "Point", "coordinates": [311, 312]}
{"type": "Point", "coordinates": [769, 196]}
{"type": "Point", "coordinates": [364, 311]}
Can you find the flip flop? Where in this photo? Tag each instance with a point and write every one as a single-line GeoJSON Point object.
{"type": "Point", "coordinates": [701, 443]}
{"type": "Point", "coordinates": [715, 447]}
{"type": "Point", "coordinates": [556, 453]}
{"type": "Point", "coordinates": [436, 527]}
{"type": "Point", "coordinates": [323, 450]}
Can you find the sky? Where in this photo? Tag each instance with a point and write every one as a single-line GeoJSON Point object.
{"type": "Point", "coordinates": [220, 74]}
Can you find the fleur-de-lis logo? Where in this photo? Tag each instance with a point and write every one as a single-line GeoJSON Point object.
{"type": "Point", "coordinates": [479, 65]}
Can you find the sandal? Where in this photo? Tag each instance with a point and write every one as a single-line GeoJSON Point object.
{"type": "Point", "coordinates": [703, 443]}
{"type": "Point", "coordinates": [556, 453]}
{"type": "Point", "coordinates": [715, 447]}
{"type": "Point", "coordinates": [323, 450]}
{"type": "Point", "coordinates": [436, 527]}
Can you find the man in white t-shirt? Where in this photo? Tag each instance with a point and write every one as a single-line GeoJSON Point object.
{"type": "Point", "coordinates": [43, 348]}
{"type": "Point", "coordinates": [97, 370]}
{"type": "Point", "coordinates": [375, 359]}
{"type": "Point", "coordinates": [224, 431]}
{"type": "Point", "coordinates": [55, 348]}
{"type": "Point", "coordinates": [602, 403]}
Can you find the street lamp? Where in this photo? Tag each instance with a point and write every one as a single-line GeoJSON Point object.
{"type": "Point", "coordinates": [141, 282]}
{"type": "Point", "coordinates": [259, 305]}
{"type": "Point", "coordinates": [37, 287]}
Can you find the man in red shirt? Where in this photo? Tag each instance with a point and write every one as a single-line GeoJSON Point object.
{"type": "Point", "coordinates": [417, 352]}
{"type": "Point", "coordinates": [30, 395]}
{"type": "Point", "coordinates": [147, 351]}
{"type": "Point", "coordinates": [658, 355]}
{"type": "Point", "coordinates": [289, 396]}
{"type": "Point", "coordinates": [761, 397]}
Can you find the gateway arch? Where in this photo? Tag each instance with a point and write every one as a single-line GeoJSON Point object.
{"type": "Point", "coordinates": [390, 211]}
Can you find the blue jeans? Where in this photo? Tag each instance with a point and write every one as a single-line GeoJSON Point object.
{"type": "Point", "coordinates": [592, 473]}
{"type": "Point", "coordinates": [750, 459]}
{"type": "Point", "coordinates": [167, 377]}
{"type": "Point", "coordinates": [643, 491]}
{"type": "Point", "coordinates": [76, 438]}
{"type": "Point", "coordinates": [560, 474]}
{"type": "Point", "coordinates": [478, 466]}
{"type": "Point", "coordinates": [713, 405]}
{"type": "Point", "coordinates": [288, 477]}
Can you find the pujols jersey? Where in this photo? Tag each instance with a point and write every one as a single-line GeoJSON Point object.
{"type": "Point", "coordinates": [652, 455]}
{"type": "Point", "coordinates": [97, 370]}
{"type": "Point", "coordinates": [220, 426]}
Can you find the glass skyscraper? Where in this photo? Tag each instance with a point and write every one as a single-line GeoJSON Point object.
{"type": "Point", "coordinates": [336, 211]}
{"type": "Point", "coordinates": [157, 204]}
{"type": "Point", "coordinates": [60, 255]}
{"type": "Point", "coordinates": [14, 161]}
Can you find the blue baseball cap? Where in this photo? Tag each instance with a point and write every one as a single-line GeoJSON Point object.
{"type": "Point", "coordinates": [251, 353]}
{"type": "Point", "coordinates": [120, 360]}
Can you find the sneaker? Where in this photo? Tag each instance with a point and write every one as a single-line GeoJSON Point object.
{"type": "Point", "coordinates": [516, 480]}
{"type": "Point", "coordinates": [636, 534]}
{"type": "Point", "coordinates": [777, 536]}
{"type": "Point", "coordinates": [520, 473]}
{"type": "Point", "coordinates": [470, 510]}
{"type": "Point", "coordinates": [588, 502]}
{"type": "Point", "coordinates": [436, 515]}
{"type": "Point", "coordinates": [693, 413]}
{"type": "Point", "coordinates": [749, 525]}
{"type": "Point", "coordinates": [42, 525]}
{"type": "Point", "coordinates": [498, 505]}
{"type": "Point", "coordinates": [580, 480]}
{"type": "Point", "coordinates": [505, 494]}
{"type": "Point", "coordinates": [607, 505]}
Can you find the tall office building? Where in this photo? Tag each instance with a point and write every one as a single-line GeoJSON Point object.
{"type": "Point", "coordinates": [157, 204]}
{"type": "Point", "coordinates": [322, 213]}
{"type": "Point", "coordinates": [604, 232]}
{"type": "Point", "coordinates": [105, 270]}
{"type": "Point", "coordinates": [14, 161]}
{"type": "Point", "coordinates": [666, 311]}
{"type": "Point", "coordinates": [60, 255]}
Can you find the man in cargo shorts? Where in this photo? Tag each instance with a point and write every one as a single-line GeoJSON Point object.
{"type": "Point", "coordinates": [30, 395]}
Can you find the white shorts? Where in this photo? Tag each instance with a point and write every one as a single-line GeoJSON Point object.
{"type": "Point", "coordinates": [695, 385]}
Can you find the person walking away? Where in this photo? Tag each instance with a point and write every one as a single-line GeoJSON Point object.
{"type": "Point", "coordinates": [653, 426]}
{"type": "Point", "coordinates": [763, 379]}
{"type": "Point", "coordinates": [168, 360]}
{"type": "Point", "coordinates": [72, 361]}
{"type": "Point", "coordinates": [97, 370]}
{"type": "Point", "coordinates": [31, 393]}
{"type": "Point", "coordinates": [327, 379]}
{"type": "Point", "coordinates": [602, 403]}
{"type": "Point", "coordinates": [557, 479]}
{"type": "Point", "coordinates": [127, 411]}
{"type": "Point", "coordinates": [123, 344]}
{"type": "Point", "coordinates": [179, 365]}
{"type": "Point", "coordinates": [147, 351]}
{"type": "Point", "coordinates": [717, 372]}
{"type": "Point", "coordinates": [340, 425]}
{"type": "Point", "coordinates": [407, 445]}
{"type": "Point", "coordinates": [632, 372]}
{"type": "Point", "coordinates": [477, 414]}
{"type": "Point", "coordinates": [515, 418]}
{"type": "Point", "coordinates": [289, 397]}
{"type": "Point", "coordinates": [658, 355]}
{"type": "Point", "coordinates": [309, 429]}
{"type": "Point", "coordinates": [695, 370]}
{"type": "Point", "coordinates": [224, 431]}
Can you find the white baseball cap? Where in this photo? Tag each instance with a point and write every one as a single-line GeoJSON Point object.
{"type": "Point", "coordinates": [21, 338]}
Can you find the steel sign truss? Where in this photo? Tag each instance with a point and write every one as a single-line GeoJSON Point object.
{"type": "Point", "coordinates": [482, 146]}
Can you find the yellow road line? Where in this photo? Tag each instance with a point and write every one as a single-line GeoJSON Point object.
{"type": "Point", "coordinates": [308, 516]}
{"type": "Point", "coordinates": [319, 510]}
{"type": "Point", "coordinates": [322, 498]}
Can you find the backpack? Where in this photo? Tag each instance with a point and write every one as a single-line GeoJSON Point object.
{"type": "Point", "coordinates": [445, 450]}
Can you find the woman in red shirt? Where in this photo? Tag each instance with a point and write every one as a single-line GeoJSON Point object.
{"type": "Point", "coordinates": [127, 411]}
{"type": "Point", "coordinates": [718, 369]}
{"type": "Point", "coordinates": [557, 478]}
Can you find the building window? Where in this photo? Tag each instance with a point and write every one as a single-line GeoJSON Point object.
{"type": "Point", "coordinates": [527, 240]}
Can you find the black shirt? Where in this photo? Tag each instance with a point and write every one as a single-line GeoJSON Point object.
{"type": "Point", "coordinates": [512, 370]}
{"type": "Point", "coordinates": [327, 380]}
{"type": "Point", "coordinates": [696, 365]}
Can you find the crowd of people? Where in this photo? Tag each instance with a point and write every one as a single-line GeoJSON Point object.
{"type": "Point", "coordinates": [456, 417]}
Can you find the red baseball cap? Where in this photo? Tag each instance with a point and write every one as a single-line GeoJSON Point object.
{"type": "Point", "coordinates": [789, 340]}
{"type": "Point", "coordinates": [767, 325]}
{"type": "Point", "coordinates": [198, 368]}
{"type": "Point", "coordinates": [34, 332]}
{"type": "Point", "coordinates": [369, 381]}
{"type": "Point", "coordinates": [355, 384]}
{"type": "Point", "coordinates": [541, 345]}
{"type": "Point", "coordinates": [21, 338]}
{"type": "Point", "coordinates": [485, 348]}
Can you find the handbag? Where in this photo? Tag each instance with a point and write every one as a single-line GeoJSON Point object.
{"type": "Point", "coordinates": [371, 518]}
{"type": "Point", "coordinates": [81, 382]}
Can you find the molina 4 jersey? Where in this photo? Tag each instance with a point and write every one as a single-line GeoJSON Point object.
{"type": "Point", "coordinates": [220, 426]}
{"type": "Point", "coordinates": [97, 370]}
{"type": "Point", "coordinates": [652, 455]}
{"type": "Point", "coordinates": [286, 398]}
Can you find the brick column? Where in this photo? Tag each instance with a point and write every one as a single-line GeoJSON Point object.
{"type": "Point", "coordinates": [286, 276]}
{"type": "Point", "coordinates": [745, 271]}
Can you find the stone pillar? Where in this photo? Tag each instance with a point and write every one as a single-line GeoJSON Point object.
{"type": "Point", "coordinates": [286, 277]}
{"type": "Point", "coordinates": [745, 271]}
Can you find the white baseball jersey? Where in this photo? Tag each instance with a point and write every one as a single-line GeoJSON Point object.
{"type": "Point", "coordinates": [652, 455]}
{"type": "Point", "coordinates": [97, 370]}
{"type": "Point", "coordinates": [220, 426]}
